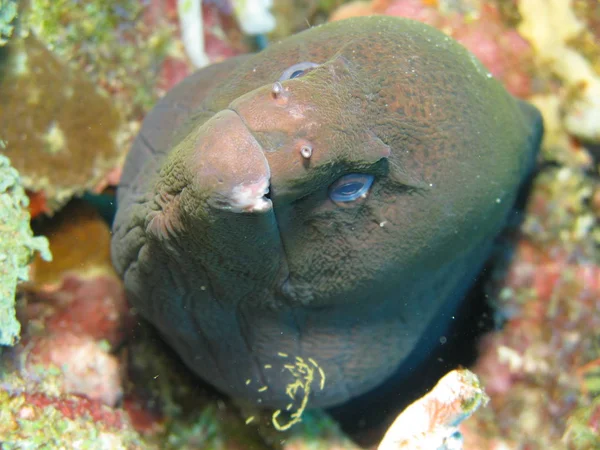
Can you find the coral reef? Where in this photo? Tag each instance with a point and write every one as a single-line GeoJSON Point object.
{"type": "Point", "coordinates": [551, 34]}
{"type": "Point", "coordinates": [205, 35]}
{"type": "Point", "coordinates": [113, 43]}
{"type": "Point", "coordinates": [41, 421]}
{"type": "Point", "coordinates": [64, 68]}
{"type": "Point", "coordinates": [89, 373]}
{"type": "Point", "coordinates": [17, 247]}
{"type": "Point", "coordinates": [192, 33]}
{"type": "Point", "coordinates": [62, 148]}
{"type": "Point", "coordinates": [432, 421]}
{"type": "Point", "coordinates": [75, 327]}
{"type": "Point", "coordinates": [77, 222]}
{"type": "Point", "coordinates": [538, 368]}
{"type": "Point", "coordinates": [107, 59]}
{"type": "Point", "coordinates": [254, 16]}
{"type": "Point", "coordinates": [8, 13]}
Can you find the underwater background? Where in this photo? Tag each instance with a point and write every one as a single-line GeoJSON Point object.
{"type": "Point", "coordinates": [80, 369]}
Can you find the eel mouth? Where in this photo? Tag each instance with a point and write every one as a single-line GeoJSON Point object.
{"type": "Point", "coordinates": [230, 165]}
{"type": "Point", "coordinates": [252, 197]}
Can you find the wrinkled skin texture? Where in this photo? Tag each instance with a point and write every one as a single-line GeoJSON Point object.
{"type": "Point", "coordinates": [231, 279]}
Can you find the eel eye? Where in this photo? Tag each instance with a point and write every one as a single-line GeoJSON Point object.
{"type": "Point", "coordinates": [297, 70]}
{"type": "Point", "coordinates": [350, 187]}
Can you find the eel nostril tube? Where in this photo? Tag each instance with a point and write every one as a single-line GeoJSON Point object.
{"type": "Point", "coordinates": [277, 89]}
{"type": "Point", "coordinates": [306, 151]}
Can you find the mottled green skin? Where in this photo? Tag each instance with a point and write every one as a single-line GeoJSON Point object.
{"type": "Point", "coordinates": [358, 287]}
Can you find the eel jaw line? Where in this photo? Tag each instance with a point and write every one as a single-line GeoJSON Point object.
{"type": "Point", "coordinates": [251, 198]}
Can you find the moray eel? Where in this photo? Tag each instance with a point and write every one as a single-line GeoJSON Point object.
{"type": "Point", "coordinates": [306, 219]}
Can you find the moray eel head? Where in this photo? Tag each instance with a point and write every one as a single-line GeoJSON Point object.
{"type": "Point", "coordinates": [301, 223]}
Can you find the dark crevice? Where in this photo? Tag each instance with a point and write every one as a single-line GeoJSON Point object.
{"type": "Point", "coordinates": [366, 418]}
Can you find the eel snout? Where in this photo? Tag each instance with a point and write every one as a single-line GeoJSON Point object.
{"type": "Point", "coordinates": [230, 165]}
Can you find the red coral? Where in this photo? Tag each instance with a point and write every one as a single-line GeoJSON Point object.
{"type": "Point", "coordinates": [38, 204]}
{"type": "Point", "coordinates": [86, 368]}
{"type": "Point", "coordinates": [73, 407]}
{"type": "Point", "coordinates": [416, 10]}
{"type": "Point", "coordinates": [69, 327]}
{"type": "Point", "coordinates": [218, 44]}
{"type": "Point", "coordinates": [144, 418]}
{"type": "Point", "coordinates": [173, 70]}
{"type": "Point", "coordinates": [94, 307]}
{"type": "Point", "coordinates": [222, 38]}
{"type": "Point", "coordinates": [550, 297]}
{"type": "Point", "coordinates": [506, 54]}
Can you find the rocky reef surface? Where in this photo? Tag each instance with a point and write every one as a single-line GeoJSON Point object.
{"type": "Point", "coordinates": [86, 372]}
{"type": "Point", "coordinates": [17, 247]}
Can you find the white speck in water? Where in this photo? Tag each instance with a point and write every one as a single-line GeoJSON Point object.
{"type": "Point", "coordinates": [382, 224]}
{"type": "Point", "coordinates": [498, 200]}
{"type": "Point", "coordinates": [202, 288]}
{"type": "Point", "coordinates": [55, 138]}
{"type": "Point", "coordinates": [443, 340]}
{"type": "Point", "coordinates": [21, 64]}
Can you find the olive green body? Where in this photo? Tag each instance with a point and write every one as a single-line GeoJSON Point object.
{"type": "Point", "coordinates": [243, 285]}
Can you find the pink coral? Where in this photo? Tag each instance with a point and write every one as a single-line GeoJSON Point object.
{"type": "Point", "coordinates": [72, 407]}
{"type": "Point", "coordinates": [502, 50]}
{"type": "Point", "coordinates": [532, 366]}
{"type": "Point", "coordinates": [414, 9]}
{"type": "Point", "coordinates": [95, 307]}
{"type": "Point", "coordinates": [222, 39]}
{"type": "Point", "coordinates": [86, 368]}
{"type": "Point", "coordinates": [74, 327]}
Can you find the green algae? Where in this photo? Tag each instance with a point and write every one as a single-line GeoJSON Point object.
{"type": "Point", "coordinates": [111, 41]}
{"type": "Point", "coordinates": [69, 140]}
{"type": "Point", "coordinates": [582, 432]}
{"type": "Point", "coordinates": [8, 13]}
{"type": "Point", "coordinates": [26, 425]}
{"type": "Point", "coordinates": [204, 431]}
{"type": "Point", "coordinates": [17, 247]}
{"type": "Point", "coordinates": [561, 212]}
{"type": "Point", "coordinates": [83, 77]}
